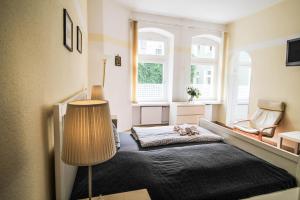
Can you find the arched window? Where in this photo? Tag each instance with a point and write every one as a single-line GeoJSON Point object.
{"type": "Point", "coordinates": [154, 53]}
{"type": "Point", "coordinates": [205, 65]}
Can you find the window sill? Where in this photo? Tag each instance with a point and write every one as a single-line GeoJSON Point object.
{"type": "Point", "coordinates": [138, 104]}
{"type": "Point", "coordinates": [204, 102]}
{"type": "Point", "coordinates": [163, 103]}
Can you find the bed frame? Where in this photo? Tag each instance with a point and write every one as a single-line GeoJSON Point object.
{"type": "Point", "coordinates": [65, 174]}
{"type": "Point", "coordinates": [269, 153]}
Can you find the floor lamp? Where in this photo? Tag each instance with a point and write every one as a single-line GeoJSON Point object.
{"type": "Point", "coordinates": [97, 90]}
{"type": "Point", "coordinates": [88, 136]}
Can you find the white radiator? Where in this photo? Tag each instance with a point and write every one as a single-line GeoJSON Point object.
{"type": "Point", "coordinates": [151, 115]}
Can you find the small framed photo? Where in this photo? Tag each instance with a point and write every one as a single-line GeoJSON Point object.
{"type": "Point", "coordinates": [118, 61]}
{"type": "Point", "coordinates": [79, 40]}
{"type": "Point", "coordinates": [68, 31]}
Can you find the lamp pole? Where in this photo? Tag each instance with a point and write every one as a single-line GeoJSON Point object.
{"type": "Point", "coordinates": [90, 182]}
{"type": "Point", "coordinates": [104, 69]}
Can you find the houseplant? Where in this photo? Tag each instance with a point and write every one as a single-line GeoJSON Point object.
{"type": "Point", "coordinates": [193, 92]}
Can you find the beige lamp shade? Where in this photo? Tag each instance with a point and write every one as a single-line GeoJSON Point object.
{"type": "Point", "coordinates": [88, 136]}
{"type": "Point", "coordinates": [97, 92]}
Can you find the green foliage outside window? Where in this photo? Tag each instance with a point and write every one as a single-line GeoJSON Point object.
{"type": "Point", "coordinates": [193, 69]}
{"type": "Point", "coordinates": [150, 73]}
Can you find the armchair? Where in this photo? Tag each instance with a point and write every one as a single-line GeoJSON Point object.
{"type": "Point", "coordinates": [264, 121]}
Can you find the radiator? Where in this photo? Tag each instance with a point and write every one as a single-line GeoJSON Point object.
{"type": "Point", "coordinates": [151, 115]}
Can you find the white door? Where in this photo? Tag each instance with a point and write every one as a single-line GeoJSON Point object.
{"type": "Point", "coordinates": [239, 88]}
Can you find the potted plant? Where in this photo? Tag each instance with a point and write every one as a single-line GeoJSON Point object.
{"type": "Point", "coordinates": [193, 92]}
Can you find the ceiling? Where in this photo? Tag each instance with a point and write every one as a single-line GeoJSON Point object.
{"type": "Point", "coordinates": [218, 11]}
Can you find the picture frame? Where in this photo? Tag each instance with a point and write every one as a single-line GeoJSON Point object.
{"type": "Point", "coordinates": [68, 30]}
{"type": "Point", "coordinates": [79, 40]}
{"type": "Point", "coordinates": [118, 61]}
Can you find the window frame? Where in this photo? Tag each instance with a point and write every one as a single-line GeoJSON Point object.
{"type": "Point", "coordinates": [159, 59]}
{"type": "Point", "coordinates": [155, 40]}
{"type": "Point", "coordinates": [215, 62]}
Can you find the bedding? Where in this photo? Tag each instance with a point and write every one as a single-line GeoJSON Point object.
{"type": "Point", "coordinates": [165, 135]}
{"type": "Point", "coordinates": [116, 136]}
{"type": "Point", "coordinates": [189, 171]}
{"type": "Point", "coordinates": [130, 144]}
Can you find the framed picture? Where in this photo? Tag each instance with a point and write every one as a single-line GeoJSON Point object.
{"type": "Point", "coordinates": [79, 40]}
{"type": "Point", "coordinates": [68, 31]}
{"type": "Point", "coordinates": [118, 61]}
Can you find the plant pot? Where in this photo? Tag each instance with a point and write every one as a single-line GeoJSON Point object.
{"type": "Point", "coordinates": [191, 99]}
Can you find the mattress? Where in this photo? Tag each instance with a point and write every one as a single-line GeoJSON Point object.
{"type": "Point", "coordinates": [183, 172]}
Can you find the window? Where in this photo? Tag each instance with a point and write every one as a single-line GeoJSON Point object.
{"type": "Point", "coordinates": [201, 77]}
{"type": "Point", "coordinates": [150, 81]}
{"type": "Point", "coordinates": [244, 76]}
{"type": "Point", "coordinates": [204, 66]}
{"type": "Point", "coordinates": [148, 47]}
{"type": "Point", "coordinates": [203, 51]}
{"type": "Point", "coordinates": [152, 72]}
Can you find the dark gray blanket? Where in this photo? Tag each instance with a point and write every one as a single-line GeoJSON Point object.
{"type": "Point", "coordinates": [204, 171]}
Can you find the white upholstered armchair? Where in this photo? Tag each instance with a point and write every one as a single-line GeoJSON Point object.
{"type": "Point", "coordinates": [264, 121]}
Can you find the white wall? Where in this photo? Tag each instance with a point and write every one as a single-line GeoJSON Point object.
{"type": "Point", "coordinates": [95, 45]}
{"type": "Point", "coordinates": [108, 26]}
{"type": "Point", "coordinates": [36, 72]}
{"type": "Point", "coordinates": [117, 85]}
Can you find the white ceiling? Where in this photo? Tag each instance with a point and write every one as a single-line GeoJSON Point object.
{"type": "Point", "coordinates": [218, 11]}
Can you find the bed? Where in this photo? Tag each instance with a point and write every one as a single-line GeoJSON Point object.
{"type": "Point", "coordinates": [234, 169]}
{"type": "Point", "coordinates": [194, 171]}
